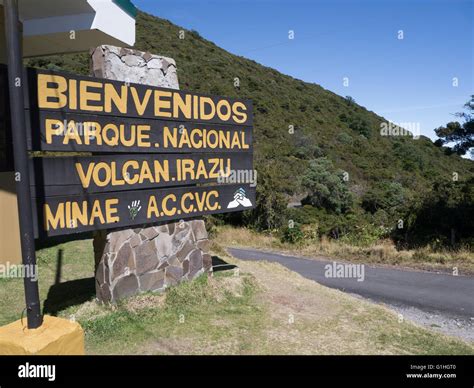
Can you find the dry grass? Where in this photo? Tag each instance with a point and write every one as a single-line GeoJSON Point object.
{"type": "Point", "coordinates": [264, 308]}
{"type": "Point", "coordinates": [382, 253]}
{"type": "Point", "coordinates": [304, 317]}
{"type": "Point", "coordinates": [135, 305]}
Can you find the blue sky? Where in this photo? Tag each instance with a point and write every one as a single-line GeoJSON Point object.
{"type": "Point", "coordinates": [407, 80]}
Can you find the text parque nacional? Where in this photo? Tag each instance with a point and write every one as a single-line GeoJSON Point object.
{"type": "Point", "coordinates": [140, 136]}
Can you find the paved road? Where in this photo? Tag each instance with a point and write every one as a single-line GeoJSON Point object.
{"type": "Point", "coordinates": [429, 292]}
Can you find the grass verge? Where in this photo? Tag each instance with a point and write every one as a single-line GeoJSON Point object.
{"type": "Point", "coordinates": [257, 308]}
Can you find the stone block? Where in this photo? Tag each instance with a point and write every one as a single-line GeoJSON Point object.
{"type": "Point", "coordinates": [99, 274]}
{"type": "Point", "coordinates": [124, 262]}
{"type": "Point", "coordinates": [182, 232]}
{"type": "Point", "coordinates": [150, 233]}
{"type": "Point", "coordinates": [125, 287]}
{"type": "Point", "coordinates": [163, 229]}
{"type": "Point", "coordinates": [204, 245]}
{"type": "Point", "coordinates": [173, 260]}
{"type": "Point", "coordinates": [152, 281]}
{"type": "Point", "coordinates": [116, 239]}
{"type": "Point", "coordinates": [134, 66]}
{"type": "Point", "coordinates": [195, 263]}
{"type": "Point", "coordinates": [185, 267]}
{"type": "Point", "coordinates": [135, 241]}
{"type": "Point", "coordinates": [199, 229]}
{"type": "Point", "coordinates": [147, 257]}
{"type": "Point", "coordinates": [163, 264]}
{"type": "Point", "coordinates": [185, 249]}
{"type": "Point", "coordinates": [173, 275]}
{"type": "Point", "coordinates": [103, 292]}
{"type": "Point", "coordinates": [163, 245]}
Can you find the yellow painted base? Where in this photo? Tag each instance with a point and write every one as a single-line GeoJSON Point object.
{"type": "Point", "coordinates": [56, 336]}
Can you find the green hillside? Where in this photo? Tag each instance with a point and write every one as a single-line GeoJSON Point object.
{"type": "Point", "coordinates": [326, 125]}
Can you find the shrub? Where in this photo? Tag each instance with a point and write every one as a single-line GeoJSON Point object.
{"type": "Point", "coordinates": [326, 187]}
{"type": "Point", "coordinates": [344, 138]}
{"type": "Point", "coordinates": [361, 127]}
{"type": "Point", "coordinates": [365, 235]}
{"type": "Point", "coordinates": [292, 234]}
{"type": "Point", "coordinates": [385, 195]}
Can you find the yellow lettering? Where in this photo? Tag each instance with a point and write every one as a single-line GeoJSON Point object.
{"type": "Point", "coordinates": [96, 212]}
{"type": "Point", "coordinates": [166, 210]}
{"type": "Point", "coordinates": [53, 221]}
{"type": "Point", "coordinates": [86, 96]}
{"type": "Point", "coordinates": [224, 104]}
{"type": "Point", "coordinates": [50, 97]}
{"type": "Point", "coordinates": [140, 105]}
{"type": "Point", "coordinates": [152, 208]}
{"type": "Point", "coordinates": [119, 100]}
{"type": "Point", "coordinates": [239, 112]}
{"type": "Point", "coordinates": [202, 108]}
{"type": "Point", "coordinates": [53, 128]}
{"type": "Point", "coordinates": [143, 137]}
{"type": "Point", "coordinates": [179, 105]}
{"type": "Point", "coordinates": [111, 211]}
{"type": "Point", "coordinates": [85, 178]}
{"type": "Point", "coordinates": [161, 104]}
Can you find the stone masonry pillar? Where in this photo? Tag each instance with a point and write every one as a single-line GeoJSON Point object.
{"type": "Point", "coordinates": [154, 257]}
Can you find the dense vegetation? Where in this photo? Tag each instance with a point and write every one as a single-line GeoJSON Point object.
{"type": "Point", "coordinates": [461, 134]}
{"type": "Point", "coordinates": [311, 143]}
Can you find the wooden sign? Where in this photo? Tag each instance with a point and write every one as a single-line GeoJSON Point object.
{"type": "Point", "coordinates": [68, 112]}
{"type": "Point", "coordinates": [71, 214]}
{"type": "Point", "coordinates": [148, 149]}
{"type": "Point", "coordinates": [68, 93]}
{"type": "Point", "coordinates": [59, 131]}
{"type": "Point", "coordinates": [82, 174]}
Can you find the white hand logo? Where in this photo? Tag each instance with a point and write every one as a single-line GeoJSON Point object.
{"type": "Point", "coordinates": [240, 198]}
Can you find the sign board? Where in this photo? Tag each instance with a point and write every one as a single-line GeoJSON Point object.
{"type": "Point", "coordinates": [76, 113]}
{"type": "Point", "coordinates": [59, 131]}
{"type": "Point", "coordinates": [106, 173]}
{"type": "Point", "coordinates": [68, 93]}
{"type": "Point", "coordinates": [71, 214]}
{"type": "Point", "coordinates": [153, 154]}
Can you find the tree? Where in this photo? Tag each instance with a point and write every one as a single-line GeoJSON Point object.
{"type": "Point", "coordinates": [387, 196]}
{"type": "Point", "coordinates": [350, 100]}
{"type": "Point", "coordinates": [445, 217]}
{"type": "Point", "coordinates": [271, 202]}
{"type": "Point", "coordinates": [462, 134]}
{"type": "Point", "coordinates": [326, 186]}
